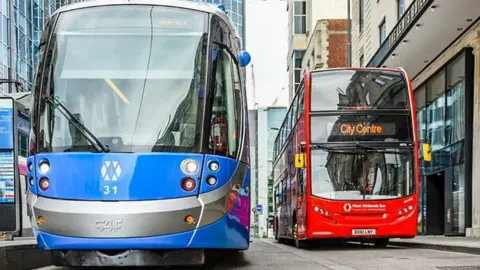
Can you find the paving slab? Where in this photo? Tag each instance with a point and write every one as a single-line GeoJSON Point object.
{"type": "Point", "coordinates": [21, 254]}
{"type": "Point", "coordinates": [468, 245]}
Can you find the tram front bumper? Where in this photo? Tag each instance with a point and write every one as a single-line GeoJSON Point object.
{"type": "Point", "coordinates": [156, 224]}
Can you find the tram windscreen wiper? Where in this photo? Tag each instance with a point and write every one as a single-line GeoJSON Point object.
{"type": "Point", "coordinates": [96, 143]}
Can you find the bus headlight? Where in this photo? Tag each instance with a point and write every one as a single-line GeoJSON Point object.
{"type": "Point", "coordinates": [44, 167]}
{"type": "Point", "coordinates": [189, 166]}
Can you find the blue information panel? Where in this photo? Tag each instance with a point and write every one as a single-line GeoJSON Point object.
{"type": "Point", "coordinates": [7, 186]}
{"type": "Point", "coordinates": [7, 160]}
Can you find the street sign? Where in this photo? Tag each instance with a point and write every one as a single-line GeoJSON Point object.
{"type": "Point", "coordinates": [259, 209]}
{"type": "Point", "coordinates": [9, 175]}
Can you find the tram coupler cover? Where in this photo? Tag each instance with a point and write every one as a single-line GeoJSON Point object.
{"type": "Point", "coordinates": [127, 258]}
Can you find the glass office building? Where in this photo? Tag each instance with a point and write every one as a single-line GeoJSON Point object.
{"type": "Point", "coordinates": [444, 113]}
{"type": "Point", "coordinates": [236, 11]}
{"type": "Point", "coordinates": [21, 26]}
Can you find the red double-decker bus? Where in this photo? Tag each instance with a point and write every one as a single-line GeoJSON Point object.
{"type": "Point", "coordinates": [346, 158]}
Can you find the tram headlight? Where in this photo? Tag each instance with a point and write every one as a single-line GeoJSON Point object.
{"type": "Point", "coordinates": [211, 180]}
{"type": "Point", "coordinates": [44, 167]}
{"type": "Point", "coordinates": [40, 220]}
{"type": "Point", "coordinates": [188, 184]}
{"type": "Point", "coordinates": [213, 166]}
{"type": "Point", "coordinates": [189, 166]}
{"type": "Point", "coordinates": [44, 184]}
{"type": "Point", "coordinates": [189, 219]}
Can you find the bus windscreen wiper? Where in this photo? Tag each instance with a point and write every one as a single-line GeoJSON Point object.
{"type": "Point", "coordinates": [96, 143]}
{"type": "Point", "coordinates": [321, 146]}
{"type": "Point", "coordinates": [363, 146]}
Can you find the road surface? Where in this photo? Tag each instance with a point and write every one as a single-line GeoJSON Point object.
{"type": "Point", "coordinates": [268, 254]}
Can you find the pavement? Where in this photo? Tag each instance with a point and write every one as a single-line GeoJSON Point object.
{"type": "Point", "coordinates": [22, 253]}
{"type": "Point", "coordinates": [445, 243]}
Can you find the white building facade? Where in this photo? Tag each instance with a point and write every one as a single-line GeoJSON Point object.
{"type": "Point", "coordinates": [302, 20]}
{"type": "Point", "coordinates": [264, 125]}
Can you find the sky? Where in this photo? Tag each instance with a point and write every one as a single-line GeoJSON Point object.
{"type": "Point", "coordinates": [266, 40]}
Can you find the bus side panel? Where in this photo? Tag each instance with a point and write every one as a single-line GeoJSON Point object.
{"type": "Point", "coordinates": [301, 202]}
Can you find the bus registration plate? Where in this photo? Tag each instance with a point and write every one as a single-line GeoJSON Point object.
{"type": "Point", "coordinates": [364, 232]}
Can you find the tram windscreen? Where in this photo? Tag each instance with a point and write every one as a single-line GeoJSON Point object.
{"type": "Point", "coordinates": [132, 74]}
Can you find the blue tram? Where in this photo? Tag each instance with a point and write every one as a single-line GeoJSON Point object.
{"type": "Point", "coordinates": [139, 138]}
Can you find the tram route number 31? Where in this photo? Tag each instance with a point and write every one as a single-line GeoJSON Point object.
{"type": "Point", "coordinates": [110, 189]}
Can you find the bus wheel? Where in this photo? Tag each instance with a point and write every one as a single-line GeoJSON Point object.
{"type": "Point", "coordinates": [298, 243]}
{"type": "Point", "coordinates": [381, 242]}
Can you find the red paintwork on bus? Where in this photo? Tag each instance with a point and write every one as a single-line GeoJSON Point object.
{"type": "Point", "coordinates": [391, 218]}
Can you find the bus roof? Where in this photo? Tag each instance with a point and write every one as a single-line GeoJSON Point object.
{"type": "Point", "coordinates": [356, 68]}
{"type": "Point", "coordinates": [193, 5]}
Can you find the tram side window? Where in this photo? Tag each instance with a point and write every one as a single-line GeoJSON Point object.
{"type": "Point", "coordinates": [238, 101]}
{"type": "Point", "coordinates": [224, 131]}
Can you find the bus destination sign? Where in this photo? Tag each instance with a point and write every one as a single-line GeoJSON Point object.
{"type": "Point", "coordinates": [366, 129]}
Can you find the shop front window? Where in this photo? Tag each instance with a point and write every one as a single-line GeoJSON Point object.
{"type": "Point", "coordinates": [458, 195]}
{"type": "Point", "coordinates": [441, 115]}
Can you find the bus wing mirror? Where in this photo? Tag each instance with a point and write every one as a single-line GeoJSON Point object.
{"type": "Point", "coordinates": [427, 152]}
{"type": "Point", "coordinates": [299, 161]}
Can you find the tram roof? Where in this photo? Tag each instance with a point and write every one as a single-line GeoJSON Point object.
{"type": "Point", "coordinates": [193, 5]}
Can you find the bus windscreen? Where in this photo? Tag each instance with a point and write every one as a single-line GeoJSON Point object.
{"type": "Point", "coordinates": [346, 89]}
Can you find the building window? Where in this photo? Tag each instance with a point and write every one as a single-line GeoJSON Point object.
{"type": "Point", "coordinates": [383, 31]}
{"type": "Point", "coordinates": [361, 61]}
{"type": "Point", "coordinates": [441, 104]}
{"type": "Point", "coordinates": [400, 8]}
{"type": "Point", "coordinates": [360, 15]}
{"type": "Point", "coordinates": [297, 64]}
{"type": "Point", "coordinates": [300, 17]}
